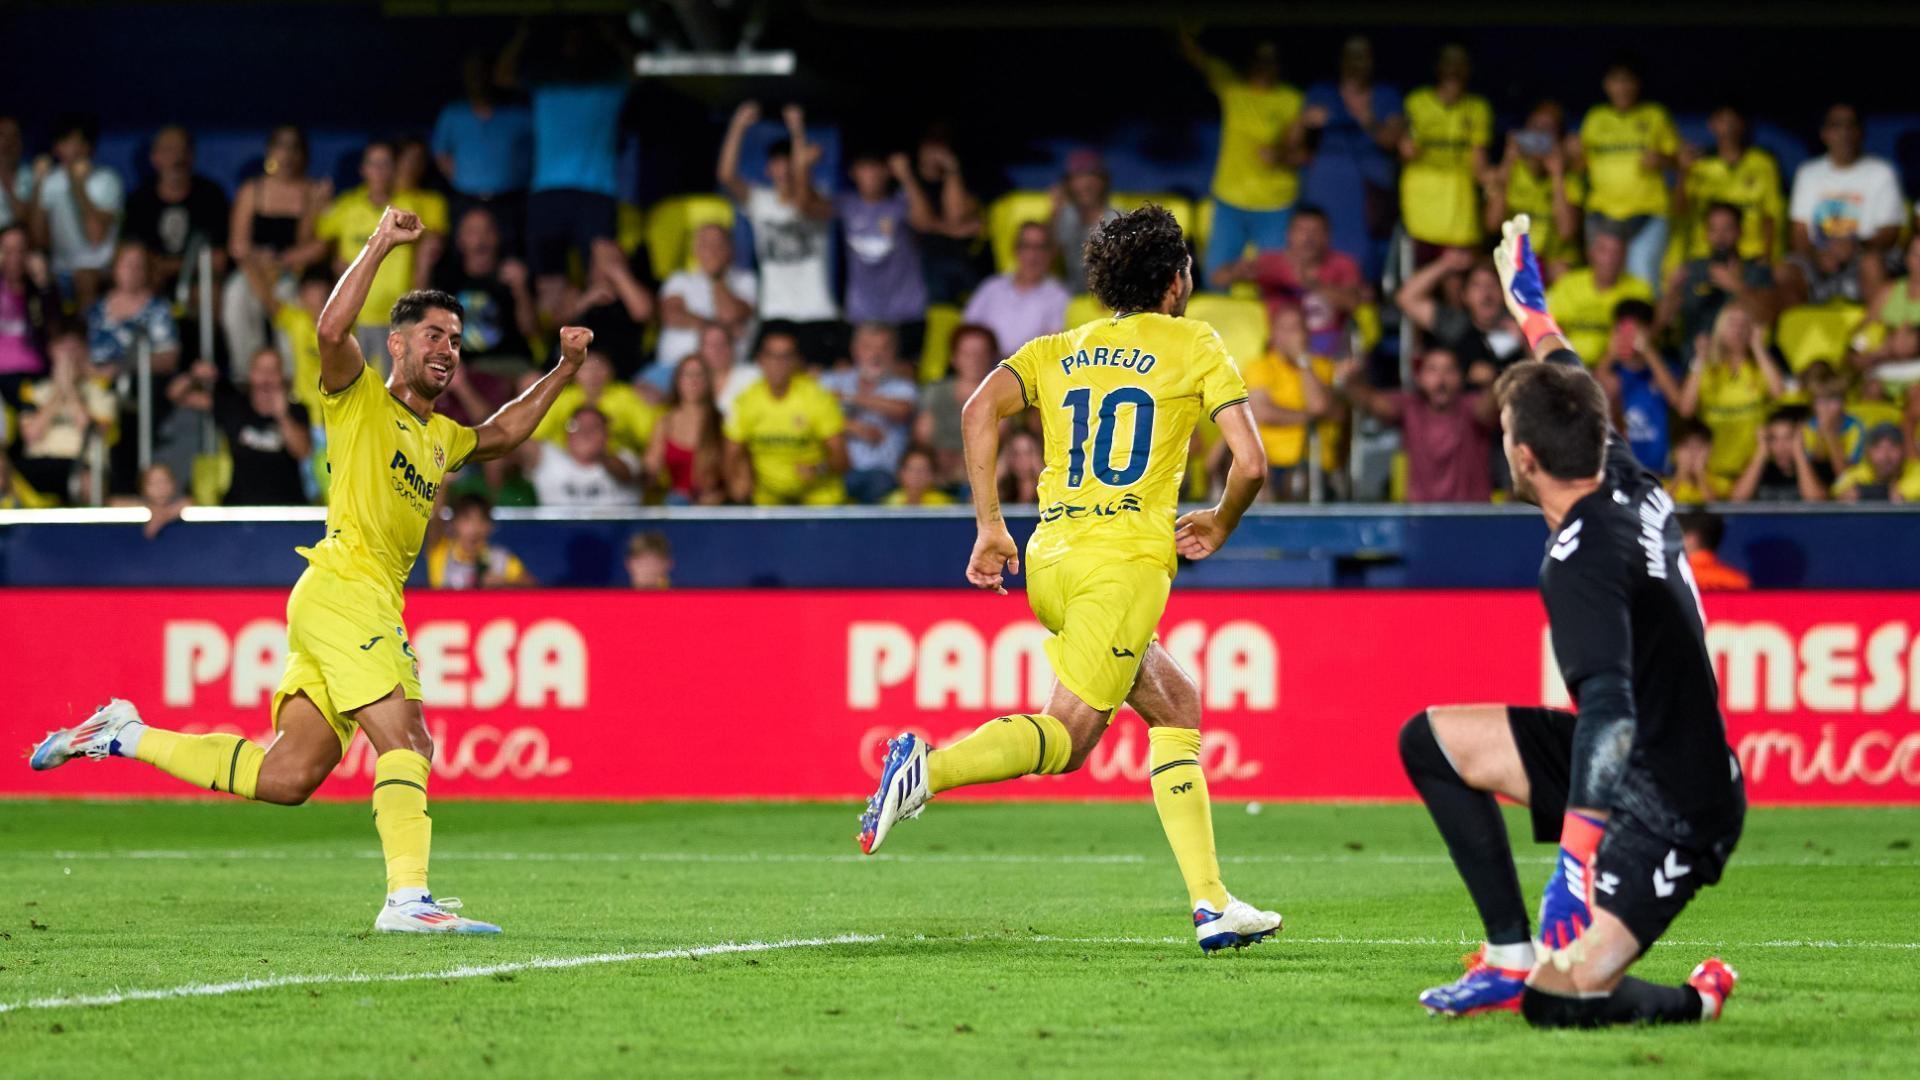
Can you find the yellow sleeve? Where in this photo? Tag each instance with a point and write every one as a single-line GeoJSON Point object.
{"type": "Point", "coordinates": [1025, 366]}
{"type": "Point", "coordinates": [828, 420]}
{"type": "Point", "coordinates": [1852, 478]}
{"type": "Point", "coordinates": [1220, 74]}
{"type": "Point", "coordinates": [433, 212]}
{"type": "Point", "coordinates": [1480, 124]}
{"type": "Point", "coordinates": [1295, 104]}
{"type": "Point", "coordinates": [1909, 483]}
{"type": "Point", "coordinates": [1588, 123]}
{"type": "Point", "coordinates": [1220, 381]}
{"type": "Point", "coordinates": [735, 429]}
{"type": "Point", "coordinates": [1775, 201]}
{"type": "Point", "coordinates": [460, 443]}
{"type": "Point", "coordinates": [553, 426]}
{"type": "Point", "coordinates": [330, 225]}
{"type": "Point", "coordinates": [348, 406]}
{"type": "Point", "coordinates": [1559, 296]}
{"type": "Point", "coordinates": [1665, 138]}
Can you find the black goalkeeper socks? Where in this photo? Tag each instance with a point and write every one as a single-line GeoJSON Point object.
{"type": "Point", "coordinates": [1475, 832]}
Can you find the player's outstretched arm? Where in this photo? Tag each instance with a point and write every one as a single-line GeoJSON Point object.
{"type": "Point", "coordinates": [506, 429]}
{"type": "Point", "coordinates": [340, 359]}
{"type": "Point", "coordinates": [994, 553]}
{"type": "Point", "coordinates": [1202, 532]}
{"type": "Point", "coordinates": [1526, 293]}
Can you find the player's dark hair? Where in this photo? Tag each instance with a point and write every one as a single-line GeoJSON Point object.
{"type": "Point", "coordinates": [1709, 528]}
{"type": "Point", "coordinates": [1638, 311]}
{"type": "Point", "coordinates": [1560, 413]}
{"type": "Point", "coordinates": [1133, 259]}
{"type": "Point", "coordinates": [413, 306]}
{"type": "Point", "coordinates": [1713, 208]}
{"type": "Point", "coordinates": [473, 502]}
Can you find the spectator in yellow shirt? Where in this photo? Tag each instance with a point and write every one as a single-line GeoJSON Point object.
{"type": "Point", "coordinates": [1533, 178]}
{"type": "Point", "coordinates": [1445, 150]}
{"type": "Point", "coordinates": [1287, 389]}
{"type": "Point", "coordinates": [1735, 173]}
{"type": "Point", "coordinates": [1263, 145]}
{"type": "Point", "coordinates": [1732, 382]}
{"type": "Point", "coordinates": [786, 441]}
{"type": "Point", "coordinates": [466, 559]}
{"type": "Point", "coordinates": [352, 218]}
{"type": "Point", "coordinates": [1626, 146]}
{"type": "Point", "coordinates": [916, 481]}
{"type": "Point", "coordinates": [1886, 474]}
{"type": "Point", "coordinates": [630, 417]}
{"type": "Point", "coordinates": [1583, 300]}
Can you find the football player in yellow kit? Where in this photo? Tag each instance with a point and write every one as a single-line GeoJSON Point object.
{"type": "Point", "coordinates": [349, 665]}
{"type": "Point", "coordinates": [1118, 400]}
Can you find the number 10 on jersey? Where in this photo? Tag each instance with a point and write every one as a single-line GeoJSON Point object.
{"type": "Point", "coordinates": [1080, 401]}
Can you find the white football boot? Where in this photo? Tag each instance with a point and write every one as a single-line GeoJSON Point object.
{"type": "Point", "coordinates": [903, 791]}
{"type": "Point", "coordinates": [425, 915]}
{"type": "Point", "coordinates": [1237, 927]}
{"type": "Point", "coordinates": [98, 736]}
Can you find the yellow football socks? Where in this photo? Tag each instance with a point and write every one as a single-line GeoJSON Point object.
{"type": "Point", "coordinates": [214, 762]}
{"type": "Point", "coordinates": [1001, 749]}
{"type": "Point", "coordinates": [1186, 811]}
{"type": "Point", "coordinates": [400, 815]}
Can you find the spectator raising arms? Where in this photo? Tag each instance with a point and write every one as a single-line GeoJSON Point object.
{"type": "Point", "coordinates": [687, 452]}
{"type": "Point", "coordinates": [714, 293]}
{"type": "Point", "coordinates": [790, 231]}
{"type": "Point", "coordinates": [949, 248]}
{"type": "Point", "coordinates": [1732, 380]}
{"type": "Point", "coordinates": [1445, 150]}
{"type": "Point", "coordinates": [786, 441]}
{"type": "Point", "coordinates": [1739, 175]}
{"type": "Point", "coordinates": [273, 232]}
{"type": "Point", "coordinates": [615, 305]}
{"type": "Point", "coordinates": [880, 223]}
{"type": "Point", "coordinates": [1533, 178]}
{"type": "Point", "coordinates": [1847, 213]}
{"type": "Point", "coordinates": [878, 403]}
{"type": "Point", "coordinates": [467, 559]}
{"type": "Point", "coordinates": [1323, 283]}
{"type": "Point", "coordinates": [1477, 331]}
{"type": "Point", "coordinates": [1027, 301]}
{"type": "Point", "coordinates": [77, 207]}
{"type": "Point", "coordinates": [1626, 146]}
{"type": "Point", "coordinates": [1448, 433]}
{"type": "Point", "coordinates": [1263, 145]}
{"type": "Point", "coordinates": [1583, 300]}
{"type": "Point", "coordinates": [1080, 206]}
{"type": "Point", "coordinates": [1356, 124]}
{"type": "Point", "coordinates": [178, 213]}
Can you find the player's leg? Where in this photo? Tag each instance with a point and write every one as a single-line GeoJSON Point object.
{"type": "Point", "coordinates": [302, 755]}
{"type": "Point", "coordinates": [1166, 698]}
{"type": "Point", "coordinates": [211, 762]}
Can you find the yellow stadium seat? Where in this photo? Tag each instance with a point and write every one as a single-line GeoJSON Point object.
{"type": "Point", "coordinates": [630, 227]}
{"type": "Point", "coordinates": [1242, 323]}
{"type": "Point", "coordinates": [1084, 309]}
{"type": "Point", "coordinates": [1007, 214]}
{"type": "Point", "coordinates": [935, 352]}
{"type": "Point", "coordinates": [1817, 332]}
{"type": "Point", "coordinates": [1179, 206]}
{"type": "Point", "coordinates": [670, 224]}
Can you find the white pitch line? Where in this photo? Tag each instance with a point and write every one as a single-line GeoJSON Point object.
{"type": "Point", "coordinates": [465, 971]}
{"type": "Point", "coordinates": [1465, 942]}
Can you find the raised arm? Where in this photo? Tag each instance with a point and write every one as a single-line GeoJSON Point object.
{"type": "Point", "coordinates": [728, 171]}
{"type": "Point", "coordinates": [994, 553]}
{"type": "Point", "coordinates": [1526, 294]}
{"type": "Point", "coordinates": [1415, 297]}
{"type": "Point", "coordinates": [811, 202]}
{"type": "Point", "coordinates": [513, 424]}
{"type": "Point", "coordinates": [341, 361]}
{"type": "Point", "coordinates": [1200, 533]}
{"type": "Point", "coordinates": [921, 217]}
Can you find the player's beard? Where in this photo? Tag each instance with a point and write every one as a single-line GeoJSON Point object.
{"type": "Point", "coordinates": [418, 378]}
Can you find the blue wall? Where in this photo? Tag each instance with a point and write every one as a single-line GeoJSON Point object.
{"type": "Point", "coordinates": [1345, 548]}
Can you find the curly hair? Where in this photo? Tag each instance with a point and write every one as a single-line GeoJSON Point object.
{"type": "Point", "coordinates": [1132, 259]}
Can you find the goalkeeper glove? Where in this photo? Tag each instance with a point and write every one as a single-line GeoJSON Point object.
{"type": "Point", "coordinates": [1567, 909]}
{"type": "Point", "coordinates": [1521, 282]}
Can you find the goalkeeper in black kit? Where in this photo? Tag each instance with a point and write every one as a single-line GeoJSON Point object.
{"type": "Point", "coordinates": [1640, 788]}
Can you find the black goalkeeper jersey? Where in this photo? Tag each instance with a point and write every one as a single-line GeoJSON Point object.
{"type": "Point", "coordinates": [1621, 600]}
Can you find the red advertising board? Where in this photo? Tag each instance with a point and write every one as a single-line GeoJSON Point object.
{"type": "Point", "coordinates": [588, 695]}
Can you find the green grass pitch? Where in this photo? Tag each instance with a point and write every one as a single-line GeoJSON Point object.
{"type": "Point", "coordinates": [989, 939]}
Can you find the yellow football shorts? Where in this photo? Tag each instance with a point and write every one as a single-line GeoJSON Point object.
{"type": "Point", "coordinates": [1103, 613]}
{"type": "Point", "coordinates": [346, 647]}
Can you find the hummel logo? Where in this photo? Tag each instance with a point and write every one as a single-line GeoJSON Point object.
{"type": "Point", "coordinates": [1567, 543]}
{"type": "Point", "coordinates": [1182, 789]}
{"type": "Point", "coordinates": [1118, 651]}
{"type": "Point", "coordinates": [1608, 883]}
{"type": "Point", "coordinates": [1665, 876]}
{"type": "Point", "coordinates": [370, 644]}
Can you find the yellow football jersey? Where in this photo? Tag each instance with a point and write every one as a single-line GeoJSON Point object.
{"type": "Point", "coordinates": [786, 437]}
{"type": "Point", "coordinates": [1439, 194]}
{"type": "Point", "coordinates": [1619, 183]}
{"type": "Point", "coordinates": [630, 417]}
{"type": "Point", "coordinates": [1252, 119]}
{"type": "Point", "coordinates": [1118, 400]}
{"type": "Point", "coordinates": [1585, 311]}
{"type": "Point", "coordinates": [387, 464]}
{"type": "Point", "coordinates": [1531, 193]}
{"type": "Point", "coordinates": [1753, 184]}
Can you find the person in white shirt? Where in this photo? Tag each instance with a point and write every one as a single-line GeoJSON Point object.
{"type": "Point", "coordinates": [77, 210]}
{"type": "Point", "coordinates": [714, 293]}
{"type": "Point", "coordinates": [792, 233]}
{"type": "Point", "coordinates": [586, 474]}
{"type": "Point", "coordinates": [1847, 210]}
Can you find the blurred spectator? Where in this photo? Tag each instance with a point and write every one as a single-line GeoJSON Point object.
{"type": "Point", "coordinates": [1698, 288]}
{"type": "Point", "coordinates": [177, 213]}
{"type": "Point", "coordinates": [472, 396]}
{"type": "Point", "coordinates": [917, 483]}
{"type": "Point", "coordinates": [351, 218]}
{"type": "Point", "coordinates": [1627, 145]}
{"type": "Point", "coordinates": [1739, 175]}
{"type": "Point", "coordinates": [1080, 206]}
{"type": "Point", "coordinates": [950, 248]}
{"type": "Point", "coordinates": [1445, 150]}
{"type": "Point", "coordinates": [1701, 534]}
{"type": "Point", "coordinates": [15, 492]}
{"type": "Point", "coordinates": [649, 561]}
{"type": "Point", "coordinates": [129, 312]}
{"type": "Point", "coordinates": [160, 494]}
{"type": "Point", "coordinates": [28, 310]}
{"type": "Point", "coordinates": [484, 148]}
{"type": "Point", "coordinates": [1886, 473]}
{"type": "Point", "coordinates": [880, 228]}
{"type": "Point", "coordinates": [790, 232]}
{"type": "Point", "coordinates": [1583, 299]}
{"type": "Point", "coordinates": [267, 434]}
{"type": "Point", "coordinates": [629, 419]}
{"type": "Point", "coordinates": [1731, 382]}
{"type": "Point", "coordinates": [1692, 483]}
{"type": "Point", "coordinates": [786, 441]}
{"type": "Point", "coordinates": [577, 92]}
{"type": "Point", "coordinates": [465, 557]}
{"type": "Point", "coordinates": [615, 305]}
{"type": "Point", "coordinates": [59, 413]}
{"type": "Point", "coordinates": [273, 232]}
{"type": "Point", "coordinates": [714, 292]}
{"type": "Point", "coordinates": [1447, 432]}
{"type": "Point", "coordinates": [295, 325]}
{"type": "Point", "coordinates": [16, 181]}
{"type": "Point", "coordinates": [1896, 307]}
{"type": "Point", "coordinates": [1027, 301]}
{"type": "Point", "coordinates": [410, 192]}
{"type": "Point", "coordinates": [585, 472]}
{"type": "Point", "coordinates": [1288, 391]}
{"type": "Point", "coordinates": [500, 322]}
{"type": "Point", "coordinates": [1832, 437]}
{"type": "Point", "coordinates": [1020, 467]}
{"type": "Point", "coordinates": [1323, 283]}
{"type": "Point", "coordinates": [1357, 123]}
{"type": "Point", "coordinates": [1780, 469]}
{"type": "Point", "coordinates": [686, 453]}
{"type": "Point", "coordinates": [1263, 144]}
{"type": "Point", "coordinates": [77, 209]}
{"type": "Point", "coordinates": [1533, 178]}
{"type": "Point", "coordinates": [1477, 331]}
{"type": "Point", "coordinates": [1639, 382]}
{"type": "Point", "coordinates": [1847, 213]}
{"type": "Point", "coordinates": [878, 403]}
{"type": "Point", "coordinates": [972, 353]}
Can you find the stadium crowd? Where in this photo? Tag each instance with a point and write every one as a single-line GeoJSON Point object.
{"type": "Point", "coordinates": [1757, 334]}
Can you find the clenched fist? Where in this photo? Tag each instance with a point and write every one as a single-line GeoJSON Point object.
{"type": "Point", "coordinates": [574, 341]}
{"type": "Point", "coordinates": [399, 226]}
